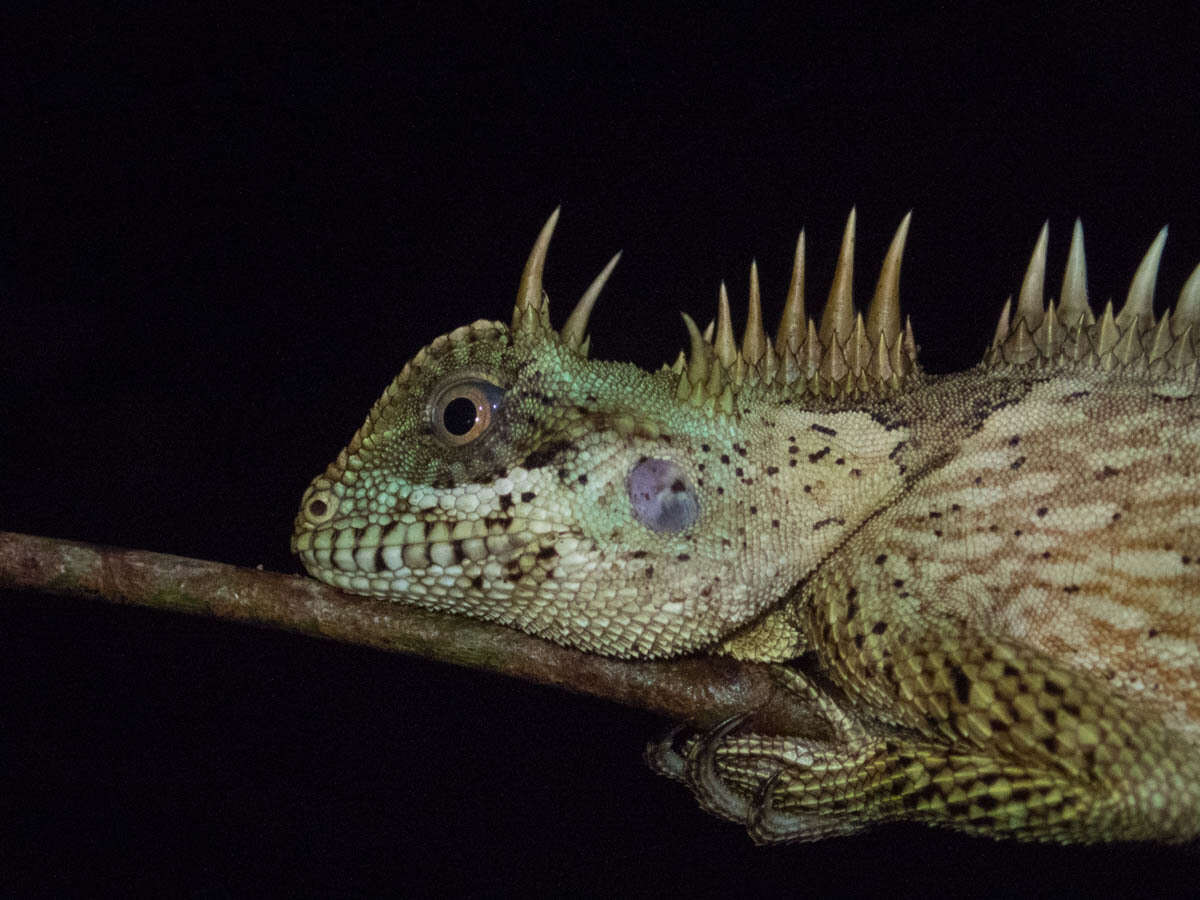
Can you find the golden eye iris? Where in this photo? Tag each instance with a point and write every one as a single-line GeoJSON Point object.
{"type": "Point", "coordinates": [465, 410]}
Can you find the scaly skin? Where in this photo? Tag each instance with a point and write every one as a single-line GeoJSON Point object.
{"type": "Point", "coordinates": [987, 583]}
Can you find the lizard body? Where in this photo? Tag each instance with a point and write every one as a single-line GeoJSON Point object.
{"type": "Point", "coordinates": [987, 583]}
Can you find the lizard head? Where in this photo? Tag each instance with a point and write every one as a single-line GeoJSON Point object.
{"type": "Point", "coordinates": [506, 476]}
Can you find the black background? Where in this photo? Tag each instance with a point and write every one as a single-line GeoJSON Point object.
{"type": "Point", "coordinates": [224, 232]}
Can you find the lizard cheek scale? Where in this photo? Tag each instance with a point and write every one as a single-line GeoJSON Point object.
{"type": "Point", "coordinates": [661, 495]}
{"type": "Point", "coordinates": [980, 591]}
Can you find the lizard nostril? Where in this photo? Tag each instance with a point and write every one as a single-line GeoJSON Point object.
{"type": "Point", "coordinates": [662, 496]}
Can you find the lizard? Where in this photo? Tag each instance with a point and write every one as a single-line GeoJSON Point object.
{"type": "Point", "coordinates": [987, 583]}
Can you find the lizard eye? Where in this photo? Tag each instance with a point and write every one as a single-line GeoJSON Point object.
{"type": "Point", "coordinates": [319, 506]}
{"type": "Point", "coordinates": [463, 411]}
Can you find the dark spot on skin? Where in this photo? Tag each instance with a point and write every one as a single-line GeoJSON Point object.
{"type": "Point", "coordinates": [851, 610]}
{"type": "Point", "coordinates": [791, 463]}
{"type": "Point", "coordinates": [1011, 671]}
{"type": "Point", "coordinates": [899, 582]}
{"type": "Point", "coordinates": [754, 510]}
{"type": "Point", "coordinates": [793, 449]}
{"type": "Point", "coordinates": [1185, 559]}
{"type": "Point", "coordinates": [1071, 709]}
{"type": "Point", "coordinates": [527, 496]}
{"type": "Point", "coordinates": [649, 571]}
{"type": "Point", "coordinates": [1042, 510]}
{"type": "Point", "coordinates": [1017, 532]}
{"type": "Point", "coordinates": [817, 526]}
{"type": "Point", "coordinates": [506, 502]}
{"type": "Point", "coordinates": [1014, 440]}
{"type": "Point", "coordinates": [1050, 743]}
{"type": "Point", "coordinates": [840, 461]}
{"type": "Point", "coordinates": [858, 641]}
{"type": "Point", "coordinates": [896, 450]}
{"type": "Point", "coordinates": [582, 479]}
{"type": "Point", "coordinates": [477, 582]}
{"type": "Point", "coordinates": [823, 430]}
{"type": "Point", "coordinates": [497, 521]}
{"type": "Point", "coordinates": [720, 490]}
{"type": "Point", "coordinates": [683, 557]}
{"type": "Point", "coordinates": [934, 514]}
{"type": "Point", "coordinates": [725, 458]}
{"type": "Point", "coordinates": [1107, 472]}
{"type": "Point", "coordinates": [774, 523]}
{"type": "Point", "coordinates": [1017, 463]}
{"type": "Point", "coordinates": [820, 454]}
{"type": "Point", "coordinates": [772, 470]}
{"type": "Point", "coordinates": [1078, 395]}
{"type": "Point", "coordinates": [856, 473]}
{"type": "Point", "coordinates": [881, 559]}
{"type": "Point", "coordinates": [962, 685]}
{"type": "Point", "coordinates": [1071, 589]}
{"type": "Point", "coordinates": [1054, 689]}
{"type": "Point", "coordinates": [979, 479]}
{"type": "Point", "coordinates": [1116, 517]}
{"type": "Point", "coordinates": [879, 628]}
{"type": "Point", "coordinates": [741, 451]}
{"type": "Point", "coordinates": [705, 448]}
{"type": "Point", "coordinates": [546, 553]}
{"type": "Point", "coordinates": [638, 554]}
{"type": "Point", "coordinates": [1050, 715]}
{"type": "Point", "coordinates": [543, 455]}
{"type": "Point", "coordinates": [442, 482]}
{"type": "Point", "coordinates": [739, 472]}
{"type": "Point", "coordinates": [808, 489]}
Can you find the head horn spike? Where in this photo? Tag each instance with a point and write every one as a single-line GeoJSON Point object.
{"type": "Point", "coordinates": [575, 330]}
{"type": "Point", "coordinates": [754, 341]}
{"type": "Point", "coordinates": [726, 349]}
{"type": "Point", "coordinates": [1139, 304]}
{"type": "Point", "coordinates": [1187, 307]}
{"type": "Point", "coordinates": [792, 323]}
{"type": "Point", "coordinates": [883, 315]}
{"type": "Point", "coordinates": [1030, 305]}
{"type": "Point", "coordinates": [531, 312]}
{"type": "Point", "coordinates": [837, 320]}
{"type": "Point", "coordinates": [697, 364]}
{"type": "Point", "coordinates": [1073, 301]}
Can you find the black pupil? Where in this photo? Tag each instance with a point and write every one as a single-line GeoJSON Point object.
{"type": "Point", "coordinates": [459, 416]}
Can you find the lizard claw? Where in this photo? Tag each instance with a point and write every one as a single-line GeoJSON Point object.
{"type": "Point", "coordinates": [666, 756]}
{"type": "Point", "coordinates": [701, 775]}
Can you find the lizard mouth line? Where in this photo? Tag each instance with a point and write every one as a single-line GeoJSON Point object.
{"type": "Point", "coordinates": [369, 550]}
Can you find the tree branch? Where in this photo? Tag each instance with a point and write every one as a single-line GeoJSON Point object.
{"type": "Point", "coordinates": [702, 690]}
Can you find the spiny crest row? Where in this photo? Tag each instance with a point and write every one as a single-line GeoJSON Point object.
{"type": "Point", "coordinates": [844, 355]}
{"type": "Point", "coordinates": [847, 355]}
{"type": "Point", "coordinates": [1068, 333]}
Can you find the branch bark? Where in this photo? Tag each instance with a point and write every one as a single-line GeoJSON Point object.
{"type": "Point", "coordinates": [701, 690]}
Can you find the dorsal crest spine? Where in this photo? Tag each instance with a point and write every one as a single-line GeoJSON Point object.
{"type": "Point", "coordinates": [1067, 334]}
